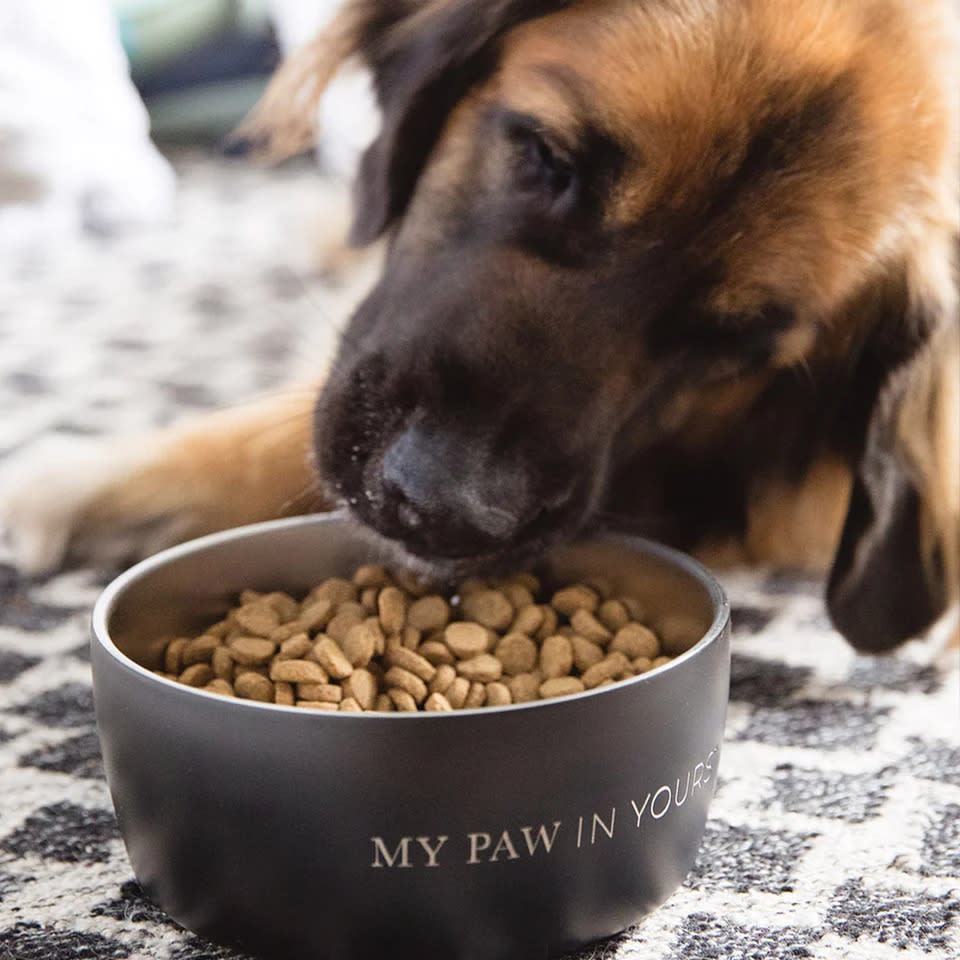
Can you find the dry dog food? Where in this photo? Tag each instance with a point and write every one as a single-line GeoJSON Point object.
{"type": "Point", "coordinates": [384, 642]}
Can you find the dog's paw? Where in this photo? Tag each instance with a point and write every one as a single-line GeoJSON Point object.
{"type": "Point", "coordinates": [69, 500]}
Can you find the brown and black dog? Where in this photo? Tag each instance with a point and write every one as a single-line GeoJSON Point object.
{"type": "Point", "coordinates": [686, 262]}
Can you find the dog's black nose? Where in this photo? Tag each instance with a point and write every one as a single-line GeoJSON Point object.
{"type": "Point", "coordinates": [448, 498]}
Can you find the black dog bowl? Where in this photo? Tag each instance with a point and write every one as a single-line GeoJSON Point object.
{"type": "Point", "coordinates": [511, 832]}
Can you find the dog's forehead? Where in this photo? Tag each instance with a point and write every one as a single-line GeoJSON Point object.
{"type": "Point", "coordinates": [636, 68]}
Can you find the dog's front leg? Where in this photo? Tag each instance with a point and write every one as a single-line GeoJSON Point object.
{"type": "Point", "coordinates": [121, 500]}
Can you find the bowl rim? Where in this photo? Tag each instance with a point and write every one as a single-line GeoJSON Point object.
{"type": "Point", "coordinates": [104, 606]}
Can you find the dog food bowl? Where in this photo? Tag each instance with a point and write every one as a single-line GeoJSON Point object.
{"type": "Point", "coordinates": [513, 832]}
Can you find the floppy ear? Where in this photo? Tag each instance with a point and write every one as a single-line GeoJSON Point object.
{"type": "Point", "coordinates": [423, 62]}
{"type": "Point", "coordinates": [423, 54]}
{"type": "Point", "coordinates": [895, 572]}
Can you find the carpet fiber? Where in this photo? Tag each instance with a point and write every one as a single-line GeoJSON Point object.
{"type": "Point", "coordinates": [834, 833]}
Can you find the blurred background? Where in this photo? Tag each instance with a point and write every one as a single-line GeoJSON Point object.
{"type": "Point", "coordinates": [148, 269]}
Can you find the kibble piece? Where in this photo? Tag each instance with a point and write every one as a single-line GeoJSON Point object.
{"type": "Point", "coordinates": [253, 686]}
{"type": "Point", "coordinates": [659, 662]}
{"type": "Point", "coordinates": [457, 692]}
{"type": "Point", "coordinates": [635, 640]}
{"type": "Point", "coordinates": [601, 586]}
{"type": "Point", "coordinates": [429, 613]}
{"type": "Point", "coordinates": [613, 615]}
{"type": "Point", "coordinates": [678, 633]}
{"type": "Point", "coordinates": [525, 687]}
{"type": "Point", "coordinates": [285, 606]}
{"type": "Point", "coordinates": [637, 611]}
{"type": "Point", "coordinates": [297, 647]}
{"type": "Point", "coordinates": [437, 703]}
{"type": "Point", "coordinates": [298, 671]}
{"type": "Point", "coordinates": [200, 650]}
{"type": "Point", "coordinates": [361, 686]}
{"type": "Point", "coordinates": [556, 657]}
{"type": "Point", "coordinates": [315, 615]}
{"type": "Point", "coordinates": [588, 626]}
{"type": "Point", "coordinates": [409, 581]}
{"type": "Point", "coordinates": [330, 692]}
{"type": "Point", "coordinates": [360, 645]}
{"type": "Point", "coordinates": [398, 678]}
{"type": "Point", "coordinates": [489, 608]}
{"type": "Point", "coordinates": [560, 687]}
{"type": "Point", "coordinates": [283, 694]}
{"type": "Point", "coordinates": [442, 679]}
{"type": "Point", "coordinates": [219, 629]}
{"type": "Point", "coordinates": [466, 639]}
{"type": "Point", "coordinates": [402, 700]}
{"type": "Point", "coordinates": [527, 620]}
{"type": "Point", "coordinates": [470, 585]}
{"type": "Point", "coordinates": [410, 637]}
{"type": "Point", "coordinates": [476, 696]}
{"type": "Point", "coordinates": [571, 599]}
{"type": "Point", "coordinates": [408, 660]}
{"type": "Point", "coordinates": [347, 617]}
{"type": "Point", "coordinates": [173, 655]}
{"type": "Point", "coordinates": [606, 669]}
{"type": "Point", "coordinates": [498, 694]}
{"type": "Point", "coordinates": [222, 664]}
{"type": "Point", "coordinates": [368, 599]}
{"type": "Point", "coordinates": [517, 652]}
{"type": "Point", "coordinates": [326, 705]}
{"type": "Point", "coordinates": [550, 623]}
{"type": "Point", "coordinates": [377, 630]}
{"type": "Point", "coordinates": [641, 664]}
{"type": "Point", "coordinates": [528, 580]}
{"type": "Point", "coordinates": [197, 675]}
{"type": "Point", "coordinates": [286, 631]}
{"type": "Point", "coordinates": [259, 619]}
{"type": "Point", "coordinates": [585, 653]}
{"type": "Point", "coordinates": [350, 706]}
{"type": "Point", "coordinates": [436, 652]}
{"type": "Point", "coordinates": [239, 670]}
{"type": "Point", "coordinates": [336, 590]}
{"type": "Point", "coordinates": [331, 658]}
{"type": "Point", "coordinates": [483, 668]}
{"type": "Point", "coordinates": [371, 575]}
{"type": "Point", "coordinates": [218, 685]}
{"type": "Point", "coordinates": [392, 607]}
{"type": "Point", "coordinates": [384, 704]}
{"type": "Point", "coordinates": [518, 595]}
{"type": "Point", "coordinates": [252, 651]}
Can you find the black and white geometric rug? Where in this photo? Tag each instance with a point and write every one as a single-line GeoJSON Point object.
{"type": "Point", "coordinates": [835, 831]}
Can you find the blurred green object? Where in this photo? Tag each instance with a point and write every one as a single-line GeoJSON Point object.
{"type": "Point", "coordinates": [200, 65]}
{"type": "Point", "coordinates": [156, 31]}
{"type": "Point", "coordinates": [206, 114]}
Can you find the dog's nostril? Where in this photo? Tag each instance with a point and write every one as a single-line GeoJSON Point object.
{"type": "Point", "coordinates": [443, 496]}
{"type": "Point", "coordinates": [409, 516]}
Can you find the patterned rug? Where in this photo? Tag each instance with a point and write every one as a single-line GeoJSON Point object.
{"type": "Point", "coordinates": [835, 832]}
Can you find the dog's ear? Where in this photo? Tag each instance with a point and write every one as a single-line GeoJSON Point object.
{"type": "Point", "coordinates": [424, 57]}
{"type": "Point", "coordinates": [895, 571]}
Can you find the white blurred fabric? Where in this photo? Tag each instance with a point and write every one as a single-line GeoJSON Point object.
{"type": "Point", "coordinates": [74, 136]}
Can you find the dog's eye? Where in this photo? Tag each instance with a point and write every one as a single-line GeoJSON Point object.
{"type": "Point", "coordinates": [540, 164]}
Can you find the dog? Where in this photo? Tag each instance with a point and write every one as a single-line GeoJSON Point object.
{"type": "Point", "coordinates": [688, 265]}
